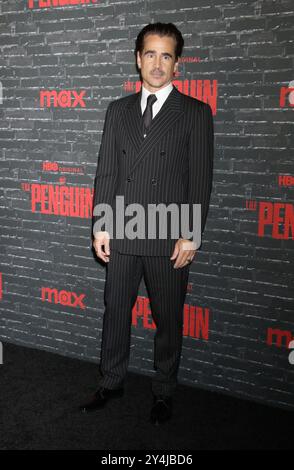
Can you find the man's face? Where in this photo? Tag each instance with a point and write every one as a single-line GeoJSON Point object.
{"type": "Point", "coordinates": [157, 62]}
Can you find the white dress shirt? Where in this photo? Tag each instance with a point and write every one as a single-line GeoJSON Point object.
{"type": "Point", "coordinates": [161, 96]}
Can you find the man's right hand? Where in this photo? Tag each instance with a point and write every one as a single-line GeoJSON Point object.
{"type": "Point", "coordinates": [101, 239]}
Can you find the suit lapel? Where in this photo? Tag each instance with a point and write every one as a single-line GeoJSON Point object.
{"type": "Point", "coordinates": [169, 113]}
{"type": "Point", "coordinates": [133, 121]}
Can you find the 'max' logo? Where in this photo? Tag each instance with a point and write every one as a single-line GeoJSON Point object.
{"type": "Point", "coordinates": [279, 337]}
{"type": "Point", "coordinates": [63, 297]}
{"type": "Point", "coordinates": [62, 99]}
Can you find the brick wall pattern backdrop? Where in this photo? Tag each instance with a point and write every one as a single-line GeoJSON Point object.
{"type": "Point", "coordinates": [62, 63]}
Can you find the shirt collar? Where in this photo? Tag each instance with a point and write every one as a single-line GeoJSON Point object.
{"type": "Point", "coordinates": [161, 94]}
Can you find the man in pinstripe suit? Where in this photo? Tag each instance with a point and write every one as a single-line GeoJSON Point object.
{"type": "Point", "coordinates": [157, 147]}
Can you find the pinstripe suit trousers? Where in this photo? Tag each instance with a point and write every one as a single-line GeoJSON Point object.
{"type": "Point", "coordinates": [166, 289]}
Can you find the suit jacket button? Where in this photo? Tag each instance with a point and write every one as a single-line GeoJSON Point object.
{"type": "Point", "coordinates": [153, 181]}
{"type": "Point", "coordinates": [162, 153]}
{"type": "Point", "coordinates": [124, 152]}
{"type": "Point", "coordinates": [129, 178]}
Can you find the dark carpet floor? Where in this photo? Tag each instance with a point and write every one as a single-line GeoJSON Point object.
{"type": "Point", "coordinates": [41, 391]}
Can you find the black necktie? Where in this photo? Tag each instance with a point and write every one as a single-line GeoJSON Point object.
{"type": "Point", "coordinates": [147, 115]}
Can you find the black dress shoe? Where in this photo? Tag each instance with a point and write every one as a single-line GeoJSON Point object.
{"type": "Point", "coordinates": [100, 398]}
{"type": "Point", "coordinates": [161, 410]}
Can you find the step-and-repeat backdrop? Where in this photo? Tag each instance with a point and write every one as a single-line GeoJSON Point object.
{"type": "Point", "coordinates": [62, 63]}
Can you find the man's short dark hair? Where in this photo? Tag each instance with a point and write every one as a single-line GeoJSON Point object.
{"type": "Point", "coordinates": [162, 29]}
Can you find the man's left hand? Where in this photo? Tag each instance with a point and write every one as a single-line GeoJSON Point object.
{"type": "Point", "coordinates": [184, 253]}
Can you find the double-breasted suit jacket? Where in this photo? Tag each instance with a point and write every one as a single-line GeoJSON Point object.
{"type": "Point", "coordinates": [172, 164]}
